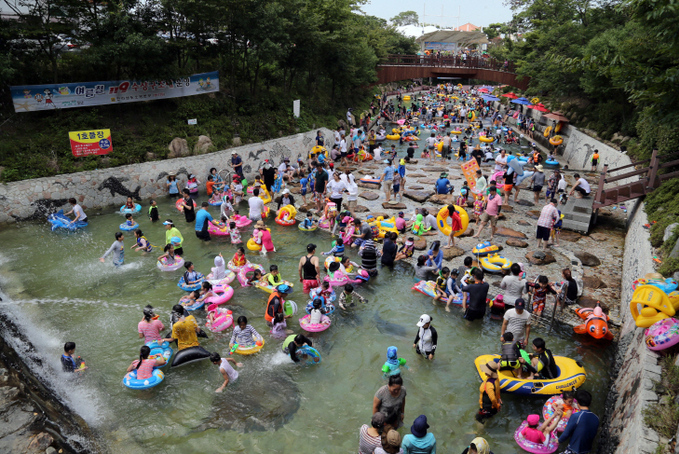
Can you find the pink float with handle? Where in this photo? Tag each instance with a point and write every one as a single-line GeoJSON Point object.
{"type": "Point", "coordinates": [243, 273]}
{"type": "Point", "coordinates": [314, 327]}
{"type": "Point", "coordinates": [214, 230]}
{"type": "Point", "coordinates": [550, 407]}
{"type": "Point", "coordinates": [221, 318]}
{"type": "Point", "coordinates": [662, 334]}
{"type": "Point", "coordinates": [224, 294]}
{"type": "Point", "coordinates": [241, 221]}
{"type": "Point", "coordinates": [548, 447]}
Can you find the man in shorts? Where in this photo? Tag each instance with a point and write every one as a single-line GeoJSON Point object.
{"type": "Point", "coordinates": [581, 186]}
{"type": "Point", "coordinates": [491, 213]}
{"type": "Point", "coordinates": [548, 216]}
{"type": "Point", "coordinates": [538, 180]}
{"type": "Point", "coordinates": [309, 269]}
{"type": "Point", "coordinates": [387, 180]}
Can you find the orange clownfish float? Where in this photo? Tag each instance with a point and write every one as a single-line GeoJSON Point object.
{"type": "Point", "coordinates": [596, 323]}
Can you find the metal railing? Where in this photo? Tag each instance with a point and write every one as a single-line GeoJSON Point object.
{"type": "Point", "coordinates": [448, 62]}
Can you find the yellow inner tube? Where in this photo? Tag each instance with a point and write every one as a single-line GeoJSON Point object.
{"type": "Point", "coordinates": [456, 132]}
{"type": "Point", "coordinates": [486, 139]}
{"type": "Point", "coordinates": [393, 136]}
{"type": "Point", "coordinates": [406, 98]}
{"type": "Point", "coordinates": [264, 195]}
{"type": "Point", "coordinates": [535, 100]}
{"type": "Point", "coordinates": [556, 140]}
{"type": "Point", "coordinates": [547, 131]}
{"type": "Point", "coordinates": [442, 221]}
{"type": "Point", "coordinates": [397, 131]}
{"type": "Point", "coordinates": [250, 350]}
{"type": "Point", "coordinates": [253, 246]}
{"type": "Point", "coordinates": [496, 263]}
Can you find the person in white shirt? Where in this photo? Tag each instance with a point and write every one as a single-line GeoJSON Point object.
{"type": "Point", "coordinates": [517, 322]}
{"type": "Point", "coordinates": [514, 285]}
{"type": "Point", "coordinates": [77, 210]}
{"type": "Point", "coordinates": [343, 150]}
{"type": "Point", "coordinates": [256, 206]}
{"type": "Point", "coordinates": [378, 153]}
{"type": "Point", "coordinates": [336, 187]}
{"type": "Point", "coordinates": [581, 186]}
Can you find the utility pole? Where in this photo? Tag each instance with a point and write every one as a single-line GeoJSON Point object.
{"type": "Point", "coordinates": [441, 16]}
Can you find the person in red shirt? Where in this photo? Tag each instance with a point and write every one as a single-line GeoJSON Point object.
{"type": "Point", "coordinates": [491, 213]}
{"type": "Point", "coordinates": [540, 434]}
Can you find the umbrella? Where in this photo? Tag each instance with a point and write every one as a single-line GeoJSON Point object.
{"type": "Point", "coordinates": [490, 98]}
{"type": "Point", "coordinates": [558, 116]}
{"type": "Point", "coordinates": [483, 90]}
{"type": "Point", "coordinates": [539, 107]}
{"type": "Point", "coordinates": [522, 101]}
{"type": "Point", "coordinates": [510, 95]}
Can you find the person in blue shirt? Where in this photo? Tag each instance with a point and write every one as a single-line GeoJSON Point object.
{"type": "Point", "coordinates": [435, 255]}
{"type": "Point", "coordinates": [203, 217]}
{"type": "Point", "coordinates": [582, 427]}
{"type": "Point", "coordinates": [442, 185]}
{"type": "Point", "coordinates": [387, 179]}
{"type": "Point", "coordinates": [320, 157]}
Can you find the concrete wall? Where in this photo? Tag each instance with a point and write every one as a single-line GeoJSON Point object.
{"type": "Point", "coordinates": [31, 199]}
{"type": "Point", "coordinates": [637, 367]}
{"type": "Point", "coordinates": [580, 148]}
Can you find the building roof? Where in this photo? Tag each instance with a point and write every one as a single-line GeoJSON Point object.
{"type": "Point", "coordinates": [452, 36]}
{"type": "Point", "coordinates": [468, 27]}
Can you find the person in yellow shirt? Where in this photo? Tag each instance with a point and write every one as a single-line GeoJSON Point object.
{"type": "Point", "coordinates": [185, 329]}
{"type": "Point", "coordinates": [173, 232]}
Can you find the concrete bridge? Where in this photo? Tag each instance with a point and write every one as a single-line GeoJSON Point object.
{"type": "Point", "coordinates": [404, 67]}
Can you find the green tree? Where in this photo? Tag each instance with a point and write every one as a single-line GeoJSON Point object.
{"type": "Point", "coordinates": [405, 18]}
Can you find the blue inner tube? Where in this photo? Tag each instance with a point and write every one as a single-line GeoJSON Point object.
{"type": "Point", "coordinates": [126, 227]}
{"type": "Point", "coordinates": [130, 380]}
{"type": "Point", "coordinates": [189, 288]}
{"type": "Point", "coordinates": [551, 162]}
{"type": "Point", "coordinates": [59, 221]}
{"type": "Point", "coordinates": [195, 307]}
{"type": "Point", "coordinates": [137, 209]}
{"type": "Point", "coordinates": [216, 204]}
{"type": "Point", "coordinates": [162, 349]}
{"type": "Point", "coordinates": [311, 355]}
{"type": "Point", "coordinates": [189, 355]}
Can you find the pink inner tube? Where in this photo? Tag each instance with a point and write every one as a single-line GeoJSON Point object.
{"type": "Point", "coordinates": [214, 230]}
{"type": "Point", "coordinates": [241, 221]}
{"type": "Point", "coordinates": [229, 276]}
{"type": "Point", "coordinates": [163, 266]}
{"type": "Point", "coordinates": [224, 294]}
{"type": "Point", "coordinates": [662, 334]}
{"type": "Point", "coordinates": [178, 205]}
{"type": "Point", "coordinates": [343, 280]}
{"type": "Point", "coordinates": [223, 319]}
{"type": "Point", "coordinates": [548, 411]}
{"type": "Point", "coordinates": [536, 448]}
{"type": "Point", "coordinates": [497, 174]}
{"type": "Point", "coordinates": [317, 327]}
{"type": "Point", "coordinates": [243, 273]}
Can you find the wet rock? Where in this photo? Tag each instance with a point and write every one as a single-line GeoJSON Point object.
{"type": "Point", "coordinates": [522, 222]}
{"type": "Point", "coordinates": [427, 181]}
{"type": "Point", "coordinates": [507, 209]}
{"type": "Point", "coordinates": [533, 257]}
{"type": "Point", "coordinates": [442, 199]}
{"type": "Point", "coordinates": [369, 195]}
{"type": "Point", "coordinates": [451, 253]}
{"type": "Point", "coordinates": [588, 259]}
{"type": "Point", "coordinates": [418, 196]}
{"type": "Point", "coordinates": [416, 187]}
{"type": "Point", "coordinates": [568, 235]}
{"type": "Point", "coordinates": [593, 282]}
{"type": "Point", "coordinates": [394, 206]}
{"type": "Point", "coordinates": [203, 145]}
{"type": "Point", "coordinates": [295, 190]}
{"type": "Point", "coordinates": [525, 203]}
{"type": "Point", "coordinates": [303, 208]}
{"type": "Point", "coordinates": [516, 243]}
{"type": "Point", "coordinates": [588, 301]}
{"type": "Point", "coordinates": [467, 233]}
{"type": "Point", "coordinates": [420, 244]}
{"type": "Point", "coordinates": [504, 231]}
{"type": "Point", "coordinates": [178, 148]}
{"type": "Point", "coordinates": [361, 209]}
{"type": "Point", "coordinates": [598, 237]}
{"type": "Point", "coordinates": [41, 441]}
{"type": "Point", "coordinates": [534, 214]}
{"type": "Point", "coordinates": [415, 175]}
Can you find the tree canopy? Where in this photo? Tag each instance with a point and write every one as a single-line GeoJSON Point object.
{"type": "Point", "coordinates": [405, 18]}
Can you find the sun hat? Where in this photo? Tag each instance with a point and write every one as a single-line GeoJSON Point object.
{"type": "Point", "coordinates": [419, 427]}
{"type": "Point", "coordinates": [538, 168]}
{"type": "Point", "coordinates": [284, 288]}
{"type": "Point", "coordinates": [490, 369]}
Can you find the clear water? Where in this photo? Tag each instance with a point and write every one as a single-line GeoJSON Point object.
{"type": "Point", "coordinates": [61, 292]}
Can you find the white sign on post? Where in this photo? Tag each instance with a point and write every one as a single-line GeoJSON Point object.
{"type": "Point", "coordinates": [193, 121]}
{"type": "Point", "coordinates": [295, 108]}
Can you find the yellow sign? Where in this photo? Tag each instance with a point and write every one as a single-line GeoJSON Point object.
{"type": "Point", "coordinates": [94, 142]}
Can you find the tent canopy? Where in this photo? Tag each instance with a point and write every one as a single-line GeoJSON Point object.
{"type": "Point", "coordinates": [452, 36]}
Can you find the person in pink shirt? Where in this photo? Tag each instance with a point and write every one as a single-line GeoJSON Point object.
{"type": "Point", "coordinates": [144, 366]}
{"type": "Point", "coordinates": [491, 213]}
{"type": "Point", "coordinates": [265, 235]}
{"type": "Point", "coordinates": [540, 434]}
{"type": "Point", "coordinates": [150, 327]}
{"type": "Point", "coordinates": [548, 216]}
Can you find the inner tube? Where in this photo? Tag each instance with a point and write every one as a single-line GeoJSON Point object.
{"type": "Point", "coordinates": [485, 248]}
{"type": "Point", "coordinates": [304, 229]}
{"type": "Point", "coordinates": [536, 448]}
{"type": "Point", "coordinates": [229, 276]}
{"type": "Point", "coordinates": [290, 307]}
{"type": "Point", "coordinates": [495, 263]}
{"type": "Point", "coordinates": [178, 204]}
{"type": "Point", "coordinates": [251, 349]}
{"type": "Point", "coordinates": [241, 221]}
{"type": "Point", "coordinates": [163, 265]}
{"type": "Point", "coordinates": [251, 245]}
{"type": "Point", "coordinates": [189, 288]}
{"type": "Point", "coordinates": [214, 230]}
{"type": "Point", "coordinates": [556, 140]}
{"type": "Point", "coordinates": [59, 221]}
{"type": "Point", "coordinates": [126, 227]}
{"type": "Point", "coordinates": [193, 307]}
{"type": "Point", "coordinates": [130, 380]}
{"type": "Point", "coordinates": [137, 209]}
{"type": "Point", "coordinates": [224, 294]}
{"type": "Point", "coordinates": [548, 411]}
{"type": "Point", "coordinates": [190, 355]}
{"type": "Point", "coordinates": [662, 334]}
{"type": "Point", "coordinates": [268, 288]}
{"type": "Point", "coordinates": [312, 355]}
{"type": "Point", "coordinates": [315, 327]}
{"type": "Point", "coordinates": [442, 221]}
{"type": "Point", "coordinates": [157, 351]}
{"type": "Point", "coordinates": [486, 139]}
{"type": "Point", "coordinates": [244, 270]}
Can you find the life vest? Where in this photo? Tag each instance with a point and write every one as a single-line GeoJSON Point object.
{"type": "Point", "coordinates": [149, 246]}
{"type": "Point", "coordinates": [547, 366]}
{"type": "Point", "coordinates": [269, 315]}
{"type": "Point", "coordinates": [287, 341]}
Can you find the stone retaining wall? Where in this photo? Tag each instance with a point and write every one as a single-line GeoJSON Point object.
{"type": "Point", "coordinates": [31, 199]}
{"type": "Point", "coordinates": [637, 367]}
{"type": "Point", "coordinates": [580, 148]}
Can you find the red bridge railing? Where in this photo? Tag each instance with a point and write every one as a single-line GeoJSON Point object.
{"type": "Point", "coordinates": [448, 62]}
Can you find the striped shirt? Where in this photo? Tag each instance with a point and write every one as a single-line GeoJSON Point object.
{"type": "Point", "coordinates": [146, 369]}
{"type": "Point", "coordinates": [548, 216]}
{"type": "Point", "coordinates": [244, 336]}
{"type": "Point", "coordinates": [151, 330]}
{"type": "Point", "coordinates": [366, 442]}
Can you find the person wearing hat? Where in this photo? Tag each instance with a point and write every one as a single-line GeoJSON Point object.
{"type": "Point", "coordinates": [285, 199]}
{"type": "Point", "coordinates": [418, 441]}
{"type": "Point", "coordinates": [489, 398]}
{"type": "Point", "coordinates": [391, 443]}
{"type": "Point", "coordinates": [370, 438]}
{"type": "Point", "coordinates": [426, 338]}
{"type": "Point", "coordinates": [517, 322]}
{"type": "Point", "coordinates": [264, 235]}
{"type": "Point", "coordinates": [541, 434]}
{"type": "Point", "coordinates": [478, 445]}
{"type": "Point", "coordinates": [442, 185]}
{"type": "Point", "coordinates": [538, 181]}
{"type": "Point", "coordinates": [237, 163]}
{"type": "Point", "coordinates": [172, 234]}
{"type": "Point", "coordinates": [172, 185]}
{"type": "Point", "coordinates": [276, 303]}
{"type": "Point", "coordinates": [390, 400]}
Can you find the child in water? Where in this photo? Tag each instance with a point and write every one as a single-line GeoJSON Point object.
{"type": "Point", "coordinates": [234, 233]}
{"type": "Point", "coordinates": [273, 277]}
{"type": "Point", "coordinates": [244, 335]}
{"type": "Point", "coordinates": [540, 434]}
{"type": "Point", "coordinates": [142, 243]}
{"type": "Point", "coordinates": [317, 312]}
{"type": "Point", "coordinates": [337, 250]}
{"type": "Point", "coordinates": [153, 211]}
{"type": "Point", "coordinates": [279, 329]}
{"type": "Point", "coordinates": [257, 278]}
{"type": "Point", "coordinates": [190, 299]}
{"type": "Point", "coordinates": [348, 297]}
{"type": "Point", "coordinates": [308, 222]}
{"type": "Point", "coordinates": [170, 258]}
{"type": "Point", "coordinates": [130, 222]}
{"type": "Point", "coordinates": [239, 257]}
{"type": "Point", "coordinates": [190, 276]}
{"type": "Point", "coordinates": [69, 363]}
{"type": "Point", "coordinates": [144, 366]}
{"type": "Point", "coordinates": [406, 250]}
{"type": "Point", "coordinates": [394, 363]}
{"type": "Point", "coordinates": [129, 205]}
{"type": "Point", "coordinates": [441, 285]}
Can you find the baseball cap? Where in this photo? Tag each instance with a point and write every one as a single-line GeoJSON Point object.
{"type": "Point", "coordinates": [168, 222]}
{"type": "Point", "coordinates": [424, 319]}
{"type": "Point", "coordinates": [234, 152]}
{"type": "Point", "coordinates": [520, 303]}
{"type": "Point", "coordinates": [533, 420]}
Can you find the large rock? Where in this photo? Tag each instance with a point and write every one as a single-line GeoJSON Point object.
{"type": "Point", "coordinates": [598, 237]}
{"type": "Point", "coordinates": [418, 196]}
{"type": "Point", "coordinates": [669, 230]}
{"type": "Point", "coordinates": [427, 181]}
{"type": "Point", "coordinates": [467, 233]}
{"type": "Point", "coordinates": [420, 244]}
{"type": "Point", "coordinates": [525, 203]}
{"type": "Point", "coordinates": [516, 243]}
{"type": "Point", "coordinates": [588, 301]}
{"type": "Point", "coordinates": [569, 235]}
{"type": "Point", "coordinates": [534, 214]}
{"type": "Point", "coordinates": [588, 259]}
{"type": "Point", "coordinates": [435, 169]}
{"type": "Point", "coordinates": [593, 282]}
{"type": "Point", "coordinates": [442, 199]}
{"type": "Point", "coordinates": [41, 441]}
{"type": "Point", "coordinates": [361, 209]}
{"type": "Point", "coordinates": [522, 222]}
{"type": "Point", "coordinates": [394, 206]}
{"type": "Point", "coordinates": [178, 148]}
{"type": "Point", "coordinates": [546, 258]}
{"type": "Point", "coordinates": [203, 145]}
{"type": "Point", "coordinates": [369, 195]}
{"type": "Point", "coordinates": [451, 253]}
{"type": "Point", "coordinates": [304, 208]}
{"type": "Point", "coordinates": [504, 231]}
{"type": "Point", "coordinates": [416, 175]}
{"type": "Point", "coordinates": [415, 187]}
{"type": "Point", "coordinates": [360, 184]}
{"type": "Point", "coordinates": [507, 209]}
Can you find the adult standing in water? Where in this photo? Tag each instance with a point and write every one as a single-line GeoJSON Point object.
{"type": "Point", "coordinates": [390, 400]}
{"type": "Point", "coordinates": [475, 307]}
{"type": "Point", "coordinates": [418, 441]}
{"type": "Point", "coordinates": [426, 338]}
{"type": "Point", "coordinates": [276, 303]}
{"type": "Point", "coordinates": [173, 232]}
{"type": "Point", "coordinates": [203, 217]}
{"type": "Point", "coordinates": [256, 205]}
{"type": "Point", "coordinates": [188, 206]}
{"type": "Point", "coordinates": [309, 269]}
{"type": "Point", "coordinates": [77, 210]}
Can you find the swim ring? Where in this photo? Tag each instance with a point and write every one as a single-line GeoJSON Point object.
{"type": "Point", "coordinates": [536, 448]}
{"type": "Point", "coordinates": [215, 203]}
{"type": "Point", "coordinates": [266, 198]}
{"type": "Point", "coordinates": [251, 245]}
{"type": "Point", "coordinates": [244, 270]}
{"type": "Point", "coordinates": [130, 380]}
{"type": "Point", "coordinates": [393, 136]}
{"type": "Point", "coordinates": [178, 204]}
{"type": "Point", "coordinates": [290, 307]}
{"type": "Point", "coordinates": [229, 276]}
{"type": "Point", "coordinates": [406, 98]}
{"type": "Point", "coordinates": [486, 139]}
{"type": "Point", "coordinates": [316, 327]}
{"type": "Point", "coordinates": [268, 288]}
{"type": "Point", "coordinates": [552, 163]}
{"type": "Point", "coordinates": [137, 209]}
{"type": "Point", "coordinates": [329, 307]}
{"type": "Point", "coordinates": [241, 221]}
{"type": "Point", "coordinates": [428, 288]}
{"type": "Point", "coordinates": [251, 349]}
{"type": "Point", "coordinates": [442, 221]}
{"type": "Point", "coordinates": [189, 288]}
{"type": "Point", "coordinates": [223, 318]}
{"type": "Point", "coordinates": [164, 265]}
{"type": "Point", "coordinates": [193, 307]}
{"type": "Point", "coordinates": [548, 130]}
{"type": "Point", "coordinates": [315, 292]}
{"type": "Point", "coordinates": [126, 228]}
{"type": "Point", "coordinates": [495, 263]}
{"type": "Point", "coordinates": [662, 334]}
{"type": "Point", "coordinates": [160, 350]}
{"type": "Point", "coordinates": [668, 285]}
{"type": "Point", "coordinates": [59, 221]}
{"type": "Point", "coordinates": [224, 293]}
{"type": "Point", "coordinates": [214, 230]}
{"type": "Point", "coordinates": [485, 248]}
{"type": "Point", "coordinates": [312, 355]}
{"type": "Point", "coordinates": [304, 229]}
{"type": "Point", "coordinates": [556, 140]}
{"type": "Point", "coordinates": [549, 407]}
{"type": "Point", "coordinates": [286, 215]}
